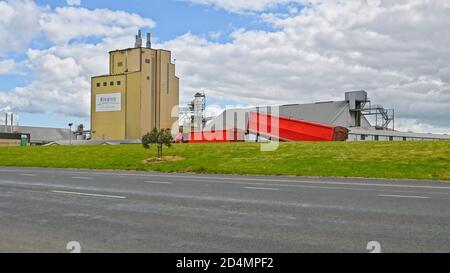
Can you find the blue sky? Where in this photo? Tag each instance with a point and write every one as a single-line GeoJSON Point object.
{"type": "Point", "coordinates": [173, 18]}
{"type": "Point", "coordinates": [241, 52]}
{"type": "Point", "coordinates": [176, 17]}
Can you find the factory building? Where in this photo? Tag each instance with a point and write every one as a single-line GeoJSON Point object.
{"type": "Point", "coordinates": [364, 121]}
{"type": "Point", "coordinates": [347, 113]}
{"type": "Point", "coordinates": [140, 93]}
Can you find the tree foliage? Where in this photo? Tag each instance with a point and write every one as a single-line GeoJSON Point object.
{"type": "Point", "coordinates": [159, 138]}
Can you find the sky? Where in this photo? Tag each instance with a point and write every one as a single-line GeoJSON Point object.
{"type": "Point", "coordinates": [240, 52]}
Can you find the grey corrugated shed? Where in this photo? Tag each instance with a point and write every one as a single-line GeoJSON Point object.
{"type": "Point", "coordinates": [42, 135]}
{"type": "Point", "coordinates": [333, 113]}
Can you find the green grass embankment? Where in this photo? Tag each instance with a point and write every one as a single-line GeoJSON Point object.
{"type": "Point", "coordinates": [409, 160]}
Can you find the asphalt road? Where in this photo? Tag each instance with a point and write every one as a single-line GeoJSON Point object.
{"type": "Point", "coordinates": [41, 210]}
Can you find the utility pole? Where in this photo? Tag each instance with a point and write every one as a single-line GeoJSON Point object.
{"type": "Point", "coordinates": [70, 133]}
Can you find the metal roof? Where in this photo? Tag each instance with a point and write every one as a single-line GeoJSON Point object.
{"type": "Point", "coordinates": [333, 112]}
{"type": "Point", "coordinates": [92, 142]}
{"type": "Point", "coordinates": [372, 132]}
{"type": "Point", "coordinates": [41, 135]}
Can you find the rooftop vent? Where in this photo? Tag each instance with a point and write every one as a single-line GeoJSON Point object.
{"type": "Point", "coordinates": [355, 99]}
{"type": "Point", "coordinates": [149, 40]}
{"type": "Point", "coordinates": [138, 40]}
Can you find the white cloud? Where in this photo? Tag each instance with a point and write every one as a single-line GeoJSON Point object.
{"type": "Point", "coordinates": [73, 2]}
{"type": "Point", "coordinates": [215, 35]}
{"type": "Point", "coordinates": [8, 67]}
{"type": "Point", "coordinates": [52, 67]}
{"type": "Point", "coordinates": [397, 51]}
{"type": "Point", "coordinates": [415, 126]}
{"type": "Point", "coordinates": [67, 23]}
{"type": "Point", "coordinates": [63, 75]}
{"type": "Point", "coordinates": [19, 23]}
{"type": "Point", "coordinates": [23, 20]}
{"type": "Point", "coordinates": [62, 72]}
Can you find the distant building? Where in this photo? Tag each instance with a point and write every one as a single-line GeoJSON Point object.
{"type": "Point", "coordinates": [14, 139]}
{"type": "Point", "coordinates": [38, 135]}
{"type": "Point", "coordinates": [140, 93]}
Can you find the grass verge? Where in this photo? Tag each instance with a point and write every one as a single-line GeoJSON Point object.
{"type": "Point", "coordinates": [398, 160]}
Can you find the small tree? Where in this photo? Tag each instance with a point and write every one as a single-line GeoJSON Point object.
{"type": "Point", "coordinates": [159, 138]}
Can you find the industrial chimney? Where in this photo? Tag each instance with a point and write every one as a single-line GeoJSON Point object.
{"type": "Point", "coordinates": [138, 40]}
{"type": "Point", "coordinates": [6, 122]}
{"type": "Point", "coordinates": [149, 40]}
{"type": "Point", "coordinates": [12, 123]}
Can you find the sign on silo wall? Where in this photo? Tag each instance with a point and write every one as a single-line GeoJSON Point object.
{"type": "Point", "coordinates": [108, 102]}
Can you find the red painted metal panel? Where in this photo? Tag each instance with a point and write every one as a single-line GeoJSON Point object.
{"type": "Point", "coordinates": [274, 127]}
{"type": "Point", "coordinates": [216, 136]}
{"type": "Point", "coordinates": [288, 129]}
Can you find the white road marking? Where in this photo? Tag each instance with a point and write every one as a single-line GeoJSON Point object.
{"type": "Point", "coordinates": [296, 185]}
{"type": "Point", "coordinates": [405, 196]}
{"type": "Point", "coordinates": [158, 182]}
{"type": "Point", "coordinates": [266, 179]}
{"type": "Point", "coordinates": [82, 178]}
{"type": "Point", "coordinates": [90, 194]}
{"type": "Point", "coordinates": [28, 174]}
{"type": "Point", "coordinates": [262, 189]}
{"type": "Point", "coordinates": [309, 182]}
{"type": "Point", "coordinates": [257, 184]}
